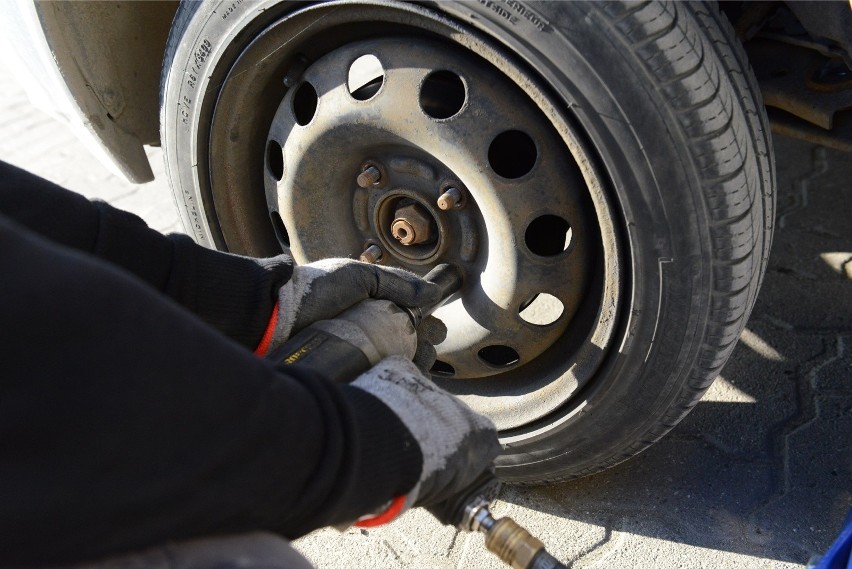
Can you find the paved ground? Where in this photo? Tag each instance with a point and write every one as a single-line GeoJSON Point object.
{"type": "Point", "coordinates": [758, 476]}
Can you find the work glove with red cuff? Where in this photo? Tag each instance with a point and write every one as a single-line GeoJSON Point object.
{"type": "Point", "coordinates": [324, 289]}
{"type": "Point", "coordinates": [457, 443]}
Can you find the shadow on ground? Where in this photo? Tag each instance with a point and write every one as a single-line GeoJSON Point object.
{"type": "Point", "coordinates": [763, 465]}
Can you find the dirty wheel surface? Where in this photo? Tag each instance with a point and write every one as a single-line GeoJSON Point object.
{"type": "Point", "coordinates": [600, 173]}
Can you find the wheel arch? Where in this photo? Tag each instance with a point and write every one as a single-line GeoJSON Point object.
{"type": "Point", "coordinates": [96, 65]}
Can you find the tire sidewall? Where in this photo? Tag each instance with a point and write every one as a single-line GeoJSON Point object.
{"type": "Point", "coordinates": [205, 41]}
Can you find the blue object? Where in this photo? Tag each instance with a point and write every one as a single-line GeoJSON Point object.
{"type": "Point", "coordinates": [839, 555]}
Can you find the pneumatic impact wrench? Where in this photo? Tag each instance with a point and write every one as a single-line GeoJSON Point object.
{"type": "Point", "coordinates": [347, 346]}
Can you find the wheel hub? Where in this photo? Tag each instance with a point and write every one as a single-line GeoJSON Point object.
{"type": "Point", "coordinates": [402, 217]}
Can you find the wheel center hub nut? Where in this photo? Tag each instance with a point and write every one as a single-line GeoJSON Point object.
{"type": "Point", "coordinates": [412, 225]}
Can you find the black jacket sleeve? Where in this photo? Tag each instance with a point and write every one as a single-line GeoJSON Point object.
{"type": "Point", "coordinates": [234, 294]}
{"type": "Point", "coordinates": [126, 421]}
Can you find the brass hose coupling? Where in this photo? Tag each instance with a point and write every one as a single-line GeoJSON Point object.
{"type": "Point", "coordinates": [513, 544]}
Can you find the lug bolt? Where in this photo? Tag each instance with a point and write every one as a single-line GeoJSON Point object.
{"type": "Point", "coordinates": [369, 176]}
{"type": "Point", "coordinates": [372, 254]}
{"type": "Point", "coordinates": [450, 199]}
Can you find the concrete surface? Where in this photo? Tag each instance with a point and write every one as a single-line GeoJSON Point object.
{"type": "Point", "coordinates": [759, 475]}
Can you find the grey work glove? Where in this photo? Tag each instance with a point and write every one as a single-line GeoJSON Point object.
{"type": "Point", "coordinates": [430, 332]}
{"type": "Point", "coordinates": [382, 329]}
{"type": "Point", "coordinates": [324, 289]}
{"type": "Point", "coordinates": [457, 443]}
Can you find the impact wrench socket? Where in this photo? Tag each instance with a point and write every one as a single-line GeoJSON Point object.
{"type": "Point", "coordinates": [343, 348]}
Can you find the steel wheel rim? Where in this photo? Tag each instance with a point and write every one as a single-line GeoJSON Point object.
{"type": "Point", "coordinates": [523, 399]}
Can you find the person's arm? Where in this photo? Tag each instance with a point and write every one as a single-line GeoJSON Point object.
{"type": "Point", "coordinates": [126, 421]}
{"type": "Point", "coordinates": [234, 294]}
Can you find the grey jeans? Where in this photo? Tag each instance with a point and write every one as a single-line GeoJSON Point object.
{"type": "Point", "coordinates": [244, 551]}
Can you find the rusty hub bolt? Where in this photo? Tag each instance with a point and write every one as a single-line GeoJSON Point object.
{"type": "Point", "coordinates": [450, 199]}
{"type": "Point", "coordinates": [403, 231]}
{"type": "Point", "coordinates": [411, 225]}
{"type": "Point", "coordinates": [372, 254]}
{"type": "Point", "coordinates": [369, 176]}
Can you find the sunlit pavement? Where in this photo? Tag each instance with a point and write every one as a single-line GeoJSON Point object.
{"type": "Point", "coordinates": [758, 475]}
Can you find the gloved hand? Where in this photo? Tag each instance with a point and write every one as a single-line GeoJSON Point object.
{"type": "Point", "coordinates": [457, 443]}
{"type": "Point", "coordinates": [390, 332]}
{"type": "Point", "coordinates": [324, 289]}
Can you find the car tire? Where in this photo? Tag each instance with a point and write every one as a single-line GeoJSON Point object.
{"type": "Point", "coordinates": [664, 120]}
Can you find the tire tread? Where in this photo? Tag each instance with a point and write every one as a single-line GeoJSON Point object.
{"type": "Point", "coordinates": [692, 54]}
